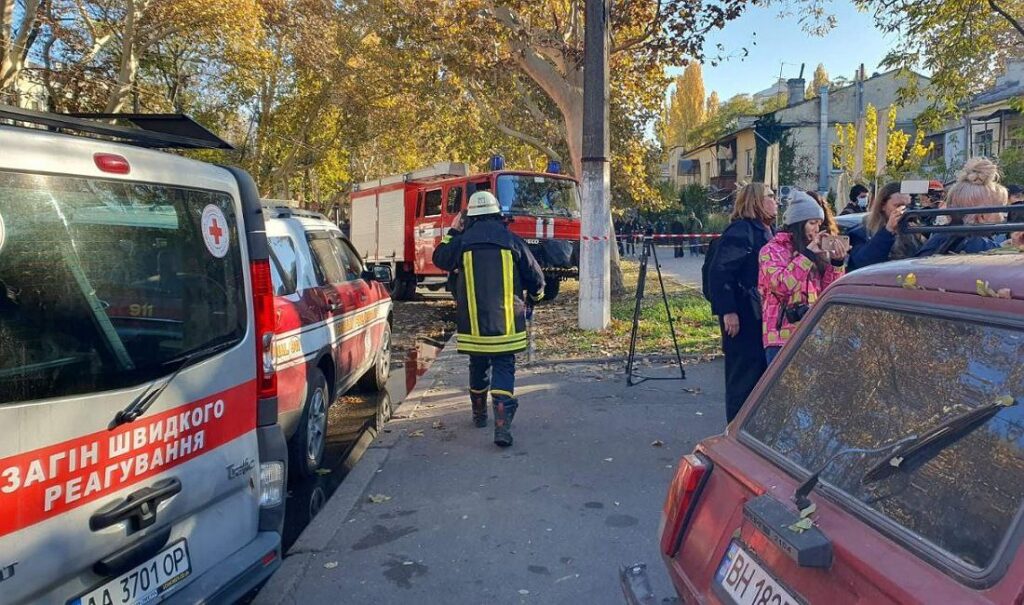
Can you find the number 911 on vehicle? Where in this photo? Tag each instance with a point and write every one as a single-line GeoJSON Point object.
{"type": "Point", "coordinates": [144, 584]}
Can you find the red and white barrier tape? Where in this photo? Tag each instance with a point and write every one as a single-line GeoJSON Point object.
{"type": "Point", "coordinates": [640, 236]}
{"type": "Point", "coordinates": [670, 235]}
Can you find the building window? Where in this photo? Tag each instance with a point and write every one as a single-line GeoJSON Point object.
{"type": "Point", "coordinates": [750, 162]}
{"type": "Point", "coordinates": [983, 143]}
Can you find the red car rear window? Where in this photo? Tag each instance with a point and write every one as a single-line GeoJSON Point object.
{"type": "Point", "coordinates": [868, 377]}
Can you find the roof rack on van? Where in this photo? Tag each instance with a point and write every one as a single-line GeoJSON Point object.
{"type": "Point", "coordinates": [906, 226]}
{"type": "Point", "coordinates": [276, 209]}
{"type": "Point", "coordinates": [156, 131]}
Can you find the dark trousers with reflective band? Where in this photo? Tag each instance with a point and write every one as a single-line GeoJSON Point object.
{"type": "Point", "coordinates": [496, 373]}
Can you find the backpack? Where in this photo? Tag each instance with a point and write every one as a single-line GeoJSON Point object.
{"type": "Point", "coordinates": [705, 269]}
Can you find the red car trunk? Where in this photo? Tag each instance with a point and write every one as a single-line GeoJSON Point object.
{"type": "Point", "coordinates": [964, 552]}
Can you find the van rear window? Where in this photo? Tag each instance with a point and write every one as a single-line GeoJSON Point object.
{"type": "Point", "coordinates": [869, 377]}
{"type": "Point", "coordinates": [104, 285]}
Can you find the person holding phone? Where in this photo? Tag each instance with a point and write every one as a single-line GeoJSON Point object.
{"type": "Point", "coordinates": [795, 267]}
{"type": "Point", "coordinates": [877, 239]}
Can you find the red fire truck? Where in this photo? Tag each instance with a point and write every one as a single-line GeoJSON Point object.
{"type": "Point", "coordinates": [398, 220]}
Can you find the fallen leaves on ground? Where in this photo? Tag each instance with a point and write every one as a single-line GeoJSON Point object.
{"type": "Point", "coordinates": [416, 433]}
{"type": "Point", "coordinates": [657, 443]}
{"type": "Point", "coordinates": [330, 564]}
{"type": "Point", "coordinates": [437, 425]}
{"type": "Point", "coordinates": [802, 525]}
{"type": "Point", "coordinates": [378, 498]}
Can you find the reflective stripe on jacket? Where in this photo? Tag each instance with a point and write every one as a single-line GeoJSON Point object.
{"type": "Point", "coordinates": [494, 267]}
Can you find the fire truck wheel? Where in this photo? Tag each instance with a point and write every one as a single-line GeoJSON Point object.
{"type": "Point", "coordinates": [307, 446]}
{"type": "Point", "coordinates": [551, 286]}
{"type": "Point", "coordinates": [404, 286]}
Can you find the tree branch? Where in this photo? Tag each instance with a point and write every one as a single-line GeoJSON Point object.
{"type": "Point", "coordinates": [1016, 24]}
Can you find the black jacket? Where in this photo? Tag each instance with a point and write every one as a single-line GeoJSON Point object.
{"type": "Point", "coordinates": [732, 277]}
{"type": "Point", "coordinates": [495, 266]}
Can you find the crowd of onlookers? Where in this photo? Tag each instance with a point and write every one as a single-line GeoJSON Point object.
{"type": "Point", "coordinates": [763, 278]}
{"type": "Point", "coordinates": [679, 231]}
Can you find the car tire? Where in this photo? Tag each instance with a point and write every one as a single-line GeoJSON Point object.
{"type": "Point", "coordinates": [551, 286]}
{"type": "Point", "coordinates": [376, 378]}
{"type": "Point", "coordinates": [307, 446]}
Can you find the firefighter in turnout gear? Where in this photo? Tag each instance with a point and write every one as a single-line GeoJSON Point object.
{"type": "Point", "coordinates": [497, 278]}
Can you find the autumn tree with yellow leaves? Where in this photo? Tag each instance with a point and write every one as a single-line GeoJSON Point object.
{"type": "Point", "coordinates": [904, 155]}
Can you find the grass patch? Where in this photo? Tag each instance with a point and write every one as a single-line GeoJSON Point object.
{"type": "Point", "coordinates": [557, 336]}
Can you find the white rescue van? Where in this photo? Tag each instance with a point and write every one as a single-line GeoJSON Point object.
{"type": "Point", "coordinates": [140, 456]}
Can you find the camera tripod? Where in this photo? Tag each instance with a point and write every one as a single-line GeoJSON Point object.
{"type": "Point", "coordinates": [632, 378]}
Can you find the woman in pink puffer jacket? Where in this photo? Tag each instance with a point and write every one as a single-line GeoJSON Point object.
{"type": "Point", "coordinates": [794, 270]}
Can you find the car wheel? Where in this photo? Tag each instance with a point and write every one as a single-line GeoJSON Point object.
{"type": "Point", "coordinates": [308, 444]}
{"type": "Point", "coordinates": [551, 287]}
{"type": "Point", "coordinates": [384, 411]}
{"type": "Point", "coordinates": [376, 378]}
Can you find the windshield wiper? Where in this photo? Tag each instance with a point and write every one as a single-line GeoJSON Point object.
{"type": "Point", "coordinates": [148, 397]}
{"type": "Point", "coordinates": [804, 489]}
{"type": "Point", "coordinates": [936, 439]}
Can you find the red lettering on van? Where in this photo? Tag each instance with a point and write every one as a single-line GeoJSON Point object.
{"type": "Point", "coordinates": [46, 482]}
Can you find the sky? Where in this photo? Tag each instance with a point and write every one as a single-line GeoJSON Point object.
{"type": "Point", "coordinates": [854, 41]}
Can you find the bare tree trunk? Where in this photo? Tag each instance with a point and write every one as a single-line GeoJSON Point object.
{"type": "Point", "coordinates": [14, 47]}
{"type": "Point", "coordinates": [129, 62]}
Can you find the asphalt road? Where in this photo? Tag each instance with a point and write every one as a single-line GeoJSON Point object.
{"type": "Point", "coordinates": [436, 513]}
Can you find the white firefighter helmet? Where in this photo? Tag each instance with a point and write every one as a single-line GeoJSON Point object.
{"type": "Point", "coordinates": [481, 203]}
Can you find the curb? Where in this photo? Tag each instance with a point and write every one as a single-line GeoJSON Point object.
{"type": "Point", "coordinates": [368, 456]}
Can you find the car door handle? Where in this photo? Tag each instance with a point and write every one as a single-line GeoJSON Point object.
{"type": "Point", "coordinates": [139, 508]}
{"type": "Point", "coordinates": [133, 555]}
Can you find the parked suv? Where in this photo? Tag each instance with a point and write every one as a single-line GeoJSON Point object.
{"type": "Point", "coordinates": [333, 325]}
{"type": "Point", "coordinates": [140, 457]}
{"type": "Point", "coordinates": [881, 457]}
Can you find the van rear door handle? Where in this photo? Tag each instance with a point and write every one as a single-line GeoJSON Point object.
{"type": "Point", "coordinates": [139, 508]}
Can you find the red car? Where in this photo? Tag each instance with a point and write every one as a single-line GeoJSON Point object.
{"type": "Point", "coordinates": [333, 325]}
{"type": "Point", "coordinates": [881, 457]}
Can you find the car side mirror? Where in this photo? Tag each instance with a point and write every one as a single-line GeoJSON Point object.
{"type": "Point", "coordinates": [380, 273]}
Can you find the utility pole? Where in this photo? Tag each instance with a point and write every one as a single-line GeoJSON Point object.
{"type": "Point", "coordinates": [595, 226]}
{"type": "Point", "coordinates": [825, 154]}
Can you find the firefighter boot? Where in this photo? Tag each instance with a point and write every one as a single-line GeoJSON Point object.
{"type": "Point", "coordinates": [479, 401]}
{"type": "Point", "coordinates": [504, 411]}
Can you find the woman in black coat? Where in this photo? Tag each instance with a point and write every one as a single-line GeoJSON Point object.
{"type": "Point", "coordinates": [732, 280]}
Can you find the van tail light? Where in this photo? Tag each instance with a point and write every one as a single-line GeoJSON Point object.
{"type": "Point", "coordinates": [263, 306]}
{"type": "Point", "coordinates": [681, 500]}
{"type": "Point", "coordinates": [112, 163]}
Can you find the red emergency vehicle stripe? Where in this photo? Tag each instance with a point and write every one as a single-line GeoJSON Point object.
{"type": "Point", "coordinates": [38, 485]}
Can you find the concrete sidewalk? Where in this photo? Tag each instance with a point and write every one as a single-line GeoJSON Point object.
{"type": "Point", "coordinates": [550, 520]}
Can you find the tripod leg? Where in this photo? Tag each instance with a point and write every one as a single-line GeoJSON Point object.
{"type": "Point", "coordinates": [668, 313]}
{"type": "Point", "coordinates": [634, 331]}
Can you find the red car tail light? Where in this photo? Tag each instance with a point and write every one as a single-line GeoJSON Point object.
{"type": "Point", "coordinates": [263, 306]}
{"type": "Point", "coordinates": [680, 501]}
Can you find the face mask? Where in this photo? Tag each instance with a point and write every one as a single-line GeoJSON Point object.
{"type": "Point", "coordinates": [862, 202]}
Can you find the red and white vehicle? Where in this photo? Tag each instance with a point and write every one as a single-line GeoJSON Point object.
{"type": "Point", "coordinates": [398, 220]}
{"type": "Point", "coordinates": [140, 456]}
{"type": "Point", "coordinates": [333, 325]}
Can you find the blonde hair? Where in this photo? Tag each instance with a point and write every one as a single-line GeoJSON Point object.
{"type": "Point", "coordinates": [977, 185]}
{"type": "Point", "coordinates": [750, 203]}
{"type": "Point", "coordinates": [876, 217]}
